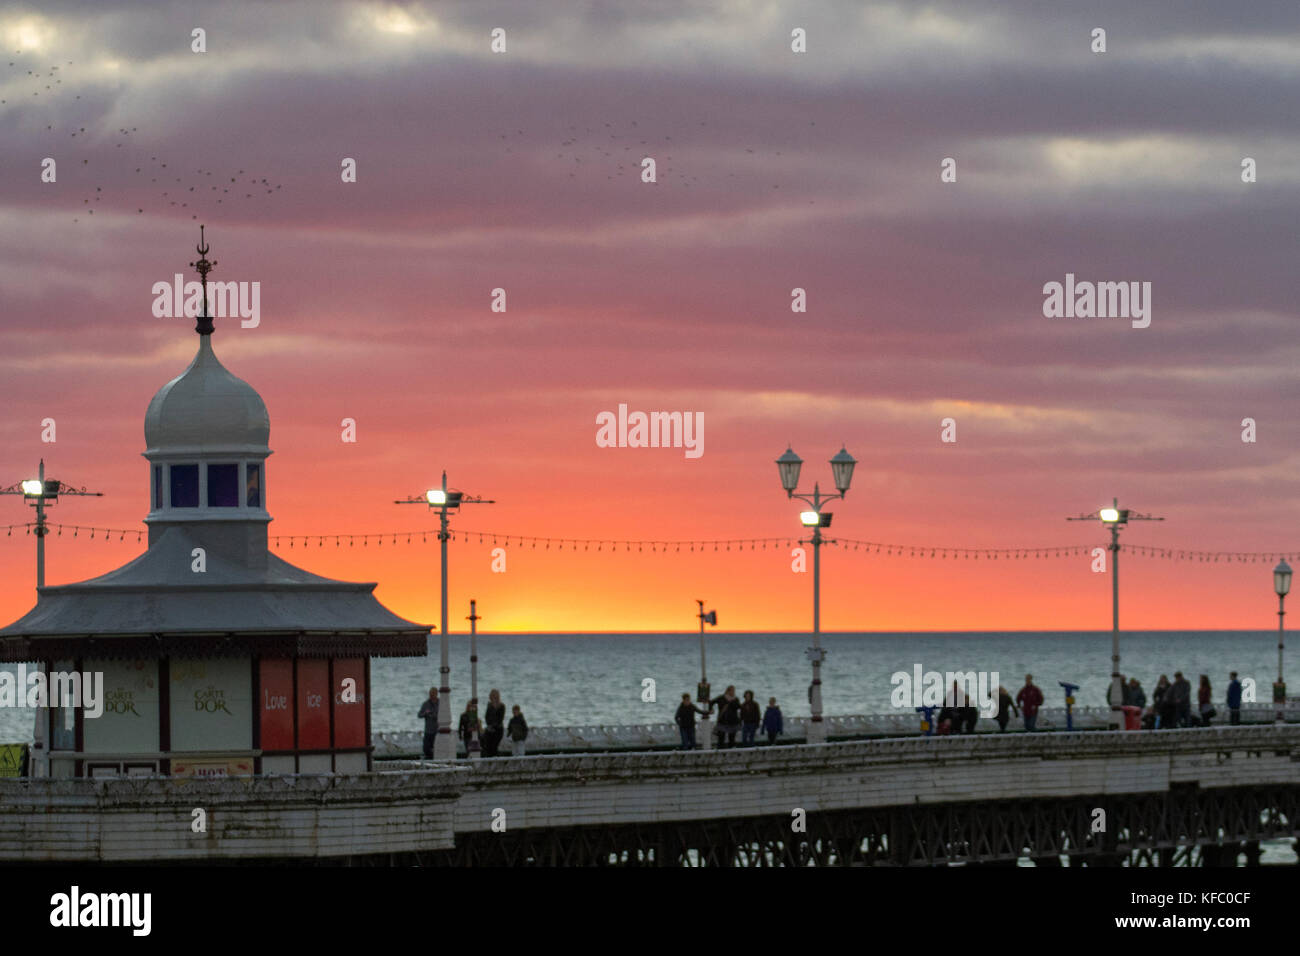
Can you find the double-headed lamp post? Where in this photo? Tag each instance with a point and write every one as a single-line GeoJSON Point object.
{"type": "Point", "coordinates": [1282, 585]}
{"type": "Point", "coordinates": [788, 466]}
{"type": "Point", "coordinates": [444, 501]}
{"type": "Point", "coordinates": [1115, 518]}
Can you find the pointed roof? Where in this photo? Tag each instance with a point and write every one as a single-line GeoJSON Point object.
{"type": "Point", "coordinates": [206, 409]}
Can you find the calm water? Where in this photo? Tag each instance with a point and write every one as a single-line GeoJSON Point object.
{"type": "Point", "coordinates": [575, 679]}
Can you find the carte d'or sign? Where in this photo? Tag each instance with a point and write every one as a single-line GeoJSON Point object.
{"type": "Point", "coordinates": [211, 704]}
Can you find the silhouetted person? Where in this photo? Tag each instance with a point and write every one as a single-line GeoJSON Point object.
{"type": "Point", "coordinates": [728, 705]}
{"type": "Point", "coordinates": [1204, 701]}
{"type": "Point", "coordinates": [469, 723]}
{"type": "Point", "coordinates": [1030, 699]}
{"type": "Point", "coordinates": [517, 731]}
{"type": "Point", "coordinates": [1137, 697]}
{"type": "Point", "coordinates": [1005, 708]}
{"type": "Point", "coordinates": [1234, 699]}
{"type": "Point", "coordinates": [772, 723]}
{"type": "Point", "coordinates": [750, 718]}
{"type": "Point", "coordinates": [685, 718]}
{"type": "Point", "coordinates": [1182, 695]}
{"type": "Point", "coordinates": [495, 719]}
{"type": "Point", "coordinates": [429, 711]}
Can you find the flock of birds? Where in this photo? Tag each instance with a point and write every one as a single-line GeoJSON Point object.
{"type": "Point", "coordinates": [198, 194]}
{"type": "Point", "coordinates": [614, 150]}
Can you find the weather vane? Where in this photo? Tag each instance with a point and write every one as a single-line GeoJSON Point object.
{"type": "Point", "coordinates": [204, 326]}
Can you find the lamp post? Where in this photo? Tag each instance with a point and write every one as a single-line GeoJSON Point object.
{"type": "Point", "coordinates": [788, 466]}
{"type": "Point", "coordinates": [444, 501]}
{"type": "Point", "coordinates": [38, 492]}
{"type": "Point", "coordinates": [702, 691]}
{"type": "Point", "coordinates": [1282, 585]}
{"type": "Point", "coordinates": [1115, 518]}
{"type": "Point", "coordinates": [475, 751]}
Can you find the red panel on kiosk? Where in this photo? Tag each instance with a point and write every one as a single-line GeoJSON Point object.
{"type": "Point", "coordinates": [313, 704]}
{"type": "Point", "coordinates": [350, 717]}
{"type": "Point", "coordinates": [276, 704]}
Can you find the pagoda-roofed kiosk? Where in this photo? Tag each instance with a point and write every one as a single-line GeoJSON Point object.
{"type": "Point", "coordinates": [219, 658]}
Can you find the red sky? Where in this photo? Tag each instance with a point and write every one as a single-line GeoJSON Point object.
{"type": "Point", "coordinates": [776, 170]}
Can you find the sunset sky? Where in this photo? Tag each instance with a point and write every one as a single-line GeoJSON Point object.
{"type": "Point", "coordinates": [776, 170]}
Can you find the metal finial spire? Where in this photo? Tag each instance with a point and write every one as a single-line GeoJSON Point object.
{"type": "Point", "coordinates": [204, 326]}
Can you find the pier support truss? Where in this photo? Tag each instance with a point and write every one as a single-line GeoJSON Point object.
{"type": "Point", "coordinates": [1186, 826]}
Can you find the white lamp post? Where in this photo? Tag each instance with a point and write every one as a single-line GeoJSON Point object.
{"type": "Point", "coordinates": [788, 466]}
{"type": "Point", "coordinates": [1115, 518]}
{"type": "Point", "coordinates": [442, 500]}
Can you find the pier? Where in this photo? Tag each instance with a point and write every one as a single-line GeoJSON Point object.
{"type": "Point", "coordinates": [1179, 797]}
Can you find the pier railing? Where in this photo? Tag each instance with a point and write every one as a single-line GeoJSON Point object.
{"type": "Point", "coordinates": [657, 736]}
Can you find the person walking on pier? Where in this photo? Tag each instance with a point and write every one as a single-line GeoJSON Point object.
{"type": "Point", "coordinates": [1030, 699]}
{"type": "Point", "coordinates": [1005, 708]}
{"type": "Point", "coordinates": [495, 718]}
{"type": "Point", "coordinates": [517, 729]}
{"type": "Point", "coordinates": [1205, 701]}
{"type": "Point", "coordinates": [772, 725]}
{"type": "Point", "coordinates": [1125, 693]}
{"type": "Point", "coordinates": [970, 715]}
{"type": "Point", "coordinates": [1137, 697]}
{"type": "Point", "coordinates": [1162, 702]}
{"type": "Point", "coordinates": [1182, 695]}
{"type": "Point", "coordinates": [469, 723]}
{"type": "Point", "coordinates": [686, 721]}
{"type": "Point", "coordinates": [429, 713]}
{"type": "Point", "coordinates": [1234, 699]}
{"type": "Point", "coordinates": [750, 718]}
{"type": "Point", "coordinates": [728, 716]}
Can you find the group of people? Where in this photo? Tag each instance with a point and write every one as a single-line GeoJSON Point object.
{"type": "Point", "coordinates": [491, 730]}
{"type": "Point", "coordinates": [735, 716]}
{"type": "Point", "coordinates": [1171, 703]}
{"type": "Point", "coordinates": [1171, 706]}
{"type": "Point", "coordinates": [958, 716]}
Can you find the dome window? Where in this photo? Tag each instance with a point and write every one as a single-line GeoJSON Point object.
{"type": "Point", "coordinates": [184, 486]}
{"type": "Point", "coordinates": [253, 487]}
{"type": "Point", "coordinates": [223, 486]}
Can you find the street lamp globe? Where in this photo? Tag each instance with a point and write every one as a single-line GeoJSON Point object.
{"type": "Point", "coordinates": [436, 496]}
{"type": "Point", "coordinates": [788, 465]}
{"type": "Point", "coordinates": [842, 468]}
{"type": "Point", "coordinates": [1109, 515]}
{"type": "Point", "coordinates": [1282, 579]}
{"type": "Point", "coordinates": [32, 488]}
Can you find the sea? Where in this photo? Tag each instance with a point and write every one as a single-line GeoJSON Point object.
{"type": "Point", "coordinates": [586, 679]}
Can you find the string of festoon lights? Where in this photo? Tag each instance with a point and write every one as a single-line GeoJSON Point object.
{"type": "Point", "coordinates": [686, 546]}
